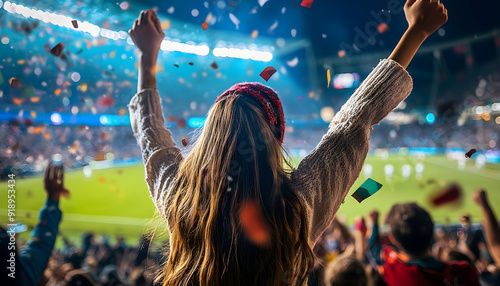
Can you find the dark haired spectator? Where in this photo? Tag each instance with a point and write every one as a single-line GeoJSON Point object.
{"type": "Point", "coordinates": [471, 238]}
{"type": "Point", "coordinates": [345, 271]}
{"type": "Point", "coordinates": [409, 261]}
{"type": "Point", "coordinates": [78, 278]}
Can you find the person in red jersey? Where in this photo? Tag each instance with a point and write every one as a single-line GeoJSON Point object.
{"type": "Point", "coordinates": [409, 260]}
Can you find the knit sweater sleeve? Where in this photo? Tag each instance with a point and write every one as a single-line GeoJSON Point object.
{"type": "Point", "coordinates": [324, 177]}
{"type": "Point", "coordinates": [160, 156]}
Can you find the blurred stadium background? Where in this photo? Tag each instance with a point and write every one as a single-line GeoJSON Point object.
{"type": "Point", "coordinates": [75, 104]}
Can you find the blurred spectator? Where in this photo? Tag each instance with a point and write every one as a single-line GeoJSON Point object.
{"type": "Point", "coordinates": [345, 271]}
{"type": "Point", "coordinates": [33, 258]}
{"type": "Point", "coordinates": [410, 261]}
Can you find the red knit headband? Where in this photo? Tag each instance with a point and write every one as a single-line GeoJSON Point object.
{"type": "Point", "coordinates": [268, 100]}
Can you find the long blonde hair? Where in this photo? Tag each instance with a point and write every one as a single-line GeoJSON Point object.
{"type": "Point", "coordinates": [236, 157]}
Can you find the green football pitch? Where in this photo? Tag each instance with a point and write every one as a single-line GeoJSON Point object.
{"type": "Point", "coordinates": [116, 201]}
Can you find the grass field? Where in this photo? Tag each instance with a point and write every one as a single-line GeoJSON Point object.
{"type": "Point", "coordinates": [116, 201]}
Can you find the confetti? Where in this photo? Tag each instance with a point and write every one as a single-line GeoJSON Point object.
{"type": "Point", "coordinates": [57, 50]}
{"type": "Point", "coordinates": [262, 2]}
{"type": "Point", "coordinates": [253, 223]}
{"type": "Point", "coordinates": [273, 26]}
{"type": "Point", "coordinates": [293, 62]}
{"type": "Point", "coordinates": [176, 65]}
{"type": "Point", "coordinates": [267, 73]}
{"type": "Point", "coordinates": [451, 194]}
{"type": "Point", "coordinates": [102, 179]}
{"type": "Point", "coordinates": [75, 24]}
{"type": "Point", "coordinates": [470, 153]}
{"type": "Point", "coordinates": [181, 123]}
{"type": "Point", "coordinates": [235, 20]}
{"type": "Point", "coordinates": [191, 63]}
{"type": "Point", "coordinates": [214, 65]}
{"type": "Point", "coordinates": [382, 28]}
{"type": "Point", "coordinates": [255, 33]}
{"type": "Point", "coordinates": [307, 3]}
{"type": "Point", "coordinates": [185, 141]}
{"type": "Point", "coordinates": [329, 77]}
{"type": "Point", "coordinates": [122, 111]}
{"type": "Point", "coordinates": [124, 5]}
{"type": "Point", "coordinates": [204, 25]}
{"type": "Point", "coordinates": [367, 189]}
{"type": "Point", "coordinates": [105, 101]}
{"type": "Point", "coordinates": [14, 82]}
{"type": "Point", "coordinates": [293, 32]}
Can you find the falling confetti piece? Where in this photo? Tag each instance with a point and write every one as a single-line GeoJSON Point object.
{"type": "Point", "coordinates": [191, 63]}
{"type": "Point", "coordinates": [57, 50]}
{"type": "Point", "coordinates": [181, 123]}
{"type": "Point", "coordinates": [367, 189]}
{"type": "Point", "coordinates": [33, 114]}
{"type": "Point", "coordinates": [451, 194]}
{"type": "Point", "coordinates": [14, 82]}
{"type": "Point", "coordinates": [267, 73]}
{"type": "Point", "coordinates": [255, 33]}
{"type": "Point", "coordinates": [293, 62]}
{"type": "Point", "coordinates": [382, 28]}
{"type": "Point", "coordinates": [124, 5]}
{"type": "Point", "coordinates": [176, 65]}
{"type": "Point", "coordinates": [470, 153]}
{"type": "Point", "coordinates": [341, 53]}
{"type": "Point", "coordinates": [105, 101]}
{"type": "Point", "coordinates": [262, 2]}
{"type": "Point", "coordinates": [307, 3]}
{"type": "Point", "coordinates": [273, 26]}
{"type": "Point", "coordinates": [253, 223]}
{"type": "Point", "coordinates": [293, 32]}
{"type": "Point", "coordinates": [204, 25]}
{"type": "Point", "coordinates": [35, 99]}
{"type": "Point", "coordinates": [214, 65]}
{"type": "Point", "coordinates": [235, 20]}
{"type": "Point", "coordinates": [75, 24]}
{"type": "Point", "coordinates": [122, 111]}
{"type": "Point", "coordinates": [102, 179]}
{"type": "Point", "coordinates": [185, 141]}
{"type": "Point", "coordinates": [329, 77]}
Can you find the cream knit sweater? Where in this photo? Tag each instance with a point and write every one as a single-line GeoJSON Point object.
{"type": "Point", "coordinates": [323, 178]}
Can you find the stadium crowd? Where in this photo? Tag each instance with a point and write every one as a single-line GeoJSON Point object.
{"type": "Point", "coordinates": [405, 244]}
{"type": "Point", "coordinates": [81, 144]}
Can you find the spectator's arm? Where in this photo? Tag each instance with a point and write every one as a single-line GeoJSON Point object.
{"type": "Point", "coordinates": [35, 256]}
{"type": "Point", "coordinates": [374, 241]}
{"type": "Point", "coordinates": [374, 244]}
{"type": "Point", "coordinates": [491, 227]}
{"type": "Point", "coordinates": [160, 155]}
